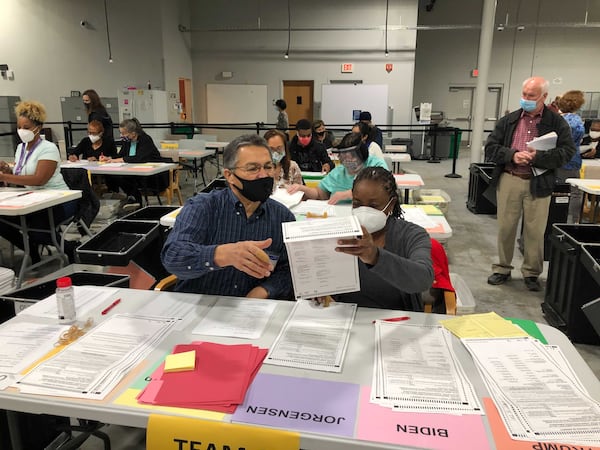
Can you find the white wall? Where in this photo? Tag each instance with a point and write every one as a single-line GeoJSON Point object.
{"type": "Point", "coordinates": [567, 57]}
{"type": "Point", "coordinates": [256, 57]}
{"type": "Point", "coordinates": [51, 54]}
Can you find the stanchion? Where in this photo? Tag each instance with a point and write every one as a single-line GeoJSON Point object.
{"type": "Point", "coordinates": [454, 156]}
{"type": "Point", "coordinates": [433, 158]}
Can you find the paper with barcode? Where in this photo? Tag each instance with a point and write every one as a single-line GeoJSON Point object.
{"type": "Point", "coordinates": [314, 337]}
{"type": "Point", "coordinates": [317, 269]}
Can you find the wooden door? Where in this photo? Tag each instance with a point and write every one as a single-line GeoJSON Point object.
{"type": "Point", "coordinates": [185, 97]}
{"type": "Point", "coordinates": [299, 96]}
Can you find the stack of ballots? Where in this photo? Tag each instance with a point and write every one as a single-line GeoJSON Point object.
{"type": "Point", "coordinates": [209, 376]}
{"type": "Point", "coordinates": [7, 279]}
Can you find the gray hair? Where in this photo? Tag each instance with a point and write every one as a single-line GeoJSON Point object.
{"type": "Point", "coordinates": [230, 153]}
{"type": "Point", "coordinates": [131, 125]}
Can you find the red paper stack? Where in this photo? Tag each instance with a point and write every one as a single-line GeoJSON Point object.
{"type": "Point", "coordinates": [219, 381]}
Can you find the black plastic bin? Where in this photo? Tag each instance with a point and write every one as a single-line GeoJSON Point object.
{"type": "Point", "coordinates": [118, 243]}
{"type": "Point", "coordinates": [149, 257]}
{"type": "Point", "coordinates": [215, 185]}
{"type": "Point", "coordinates": [480, 175]}
{"type": "Point", "coordinates": [590, 258]}
{"type": "Point", "coordinates": [570, 285]}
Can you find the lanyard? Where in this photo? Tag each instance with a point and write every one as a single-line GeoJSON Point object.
{"type": "Point", "coordinates": [21, 164]}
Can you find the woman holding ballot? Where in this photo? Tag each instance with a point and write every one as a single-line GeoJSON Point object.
{"type": "Point", "coordinates": [394, 256]}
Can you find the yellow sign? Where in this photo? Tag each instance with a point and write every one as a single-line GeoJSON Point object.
{"type": "Point", "coordinates": [181, 433]}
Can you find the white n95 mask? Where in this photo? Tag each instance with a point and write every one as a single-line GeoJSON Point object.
{"type": "Point", "coordinates": [94, 138]}
{"type": "Point", "coordinates": [370, 218]}
{"type": "Point", "coordinates": [25, 135]}
{"type": "Point", "coordinates": [595, 134]}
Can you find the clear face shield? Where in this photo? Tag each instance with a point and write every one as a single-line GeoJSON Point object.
{"type": "Point", "coordinates": [350, 158]}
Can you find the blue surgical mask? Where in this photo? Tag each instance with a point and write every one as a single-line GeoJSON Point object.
{"type": "Point", "coordinates": [528, 105]}
{"type": "Point", "coordinates": [277, 157]}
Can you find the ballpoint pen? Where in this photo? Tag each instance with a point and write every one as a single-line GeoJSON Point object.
{"type": "Point", "coordinates": [111, 306]}
{"type": "Point", "coordinates": [25, 193]}
{"type": "Point", "coordinates": [395, 319]}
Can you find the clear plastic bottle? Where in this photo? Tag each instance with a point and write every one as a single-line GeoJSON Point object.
{"type": "Point", "coordinates": [65, 301]}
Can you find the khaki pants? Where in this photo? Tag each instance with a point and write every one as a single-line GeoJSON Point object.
{"type": "Point", "coordinates": [514, 198]}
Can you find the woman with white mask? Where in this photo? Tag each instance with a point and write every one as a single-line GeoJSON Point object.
{"type": "Point", "coordinates": [394, 255]}
{"type": "Point", "coordinates": [94, 145]}
{"type": "Point", "coordinates": [37, 166]}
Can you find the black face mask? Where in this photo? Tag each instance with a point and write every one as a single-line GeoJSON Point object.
{"type": "Point", "coordinates": [257, 190]}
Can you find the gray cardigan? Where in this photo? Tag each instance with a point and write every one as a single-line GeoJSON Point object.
{"type": "Point", "coordinates": [403, 270]}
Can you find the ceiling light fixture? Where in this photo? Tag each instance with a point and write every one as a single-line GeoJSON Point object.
{"type": "Point", "coordinates": [110, 59]}
{"type": "Point", "coordinates": [387, 8]}
{"type": "Point", "coordinates": [287, 52]}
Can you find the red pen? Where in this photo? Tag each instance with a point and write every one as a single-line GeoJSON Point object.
{"type": "Point", "coordinates": [395, 319]}
{"type": "Point", "coordinates": [111, 306]}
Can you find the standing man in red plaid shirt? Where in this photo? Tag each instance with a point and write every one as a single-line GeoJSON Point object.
{"type": "Point", "coordinates": [519, 189]}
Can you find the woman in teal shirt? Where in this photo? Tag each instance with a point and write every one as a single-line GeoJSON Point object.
{"type": "Point", "coordinates": [337, 184]}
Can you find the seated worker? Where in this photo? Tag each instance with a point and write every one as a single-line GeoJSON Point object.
{"type": "Point", "coordinates": [394, 255]}
{"type": "Point", "coordinates": [94, 145]}
{"type": "Point", "coordinates": [37, 166]}
{"type": "Point", "coordinates": [590, 139]}
{"type": "Point", "coordinates": [337, 184]}
{"type": "Point", "coordinates": [365, 117]}
{"type": "Point", "coordinates": [286, 171]}
{"type": "Point", "coordinates": [368, 133]}
{"type": "Point", "coordinates": [322, 134]}
{"type": "Point", "coordinates": [137, 147]}
{"type": "Point", "coordinates": [310, 155]}
{"type": "Point", "coordinates": [217, 244]}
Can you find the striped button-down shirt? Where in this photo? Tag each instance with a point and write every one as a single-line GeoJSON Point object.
{"type": "Point", "coordinates": [526, 131]}
{"type": "Point", "coordinates": [209, 220]}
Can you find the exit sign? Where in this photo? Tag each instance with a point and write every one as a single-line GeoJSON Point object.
{"type": "Point", "coordinates": [347, 67]}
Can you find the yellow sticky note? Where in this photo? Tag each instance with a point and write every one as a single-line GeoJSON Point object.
{"type": "Point", "coordinates": [179, 362]}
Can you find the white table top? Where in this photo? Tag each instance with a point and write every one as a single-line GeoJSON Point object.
{"type": "Point", "coordinates": [441, 231]}
{"type": "Point", "coordinates": [395, 148]}
{"type": "Point", "coordinates": [357, 368]}
{"type": "Point", "coordinates": [186, 153]}
{"type": "Point", "coordinates": [29, 203]}
{"type": "Point", "coordinates": [409, 180]}
{"type": "Point", "coordinates": [590, 186]}
{"type": "Point", "coordinates": [138, 169]}
{"type": "Point", "coordinates": [399, 157]}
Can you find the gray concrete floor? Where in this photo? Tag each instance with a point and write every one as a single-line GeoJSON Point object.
{"type": "Point", "coordinates": [471, 252]}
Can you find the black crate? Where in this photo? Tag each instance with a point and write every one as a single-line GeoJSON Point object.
{"type": "Point", "coordinates": [215, 185]}
{"type": "Point", "coordinates": [152, 213]}
{"type": "Point", "coordinates": [118, 243]}
{"type": "Point", "coordinates": [569, 284]}
{"type": "Point", "coordinates": [149, 257]}
{"type": "Point", "coordinates": [480, 175]}
{"type": "Point", "coordinates": [590, 258]}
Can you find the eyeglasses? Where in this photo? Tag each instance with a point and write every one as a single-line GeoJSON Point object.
{"type": "Point", "coordinates": [280, 149]}
{"type": "Point", "coordinates": [253, 169]}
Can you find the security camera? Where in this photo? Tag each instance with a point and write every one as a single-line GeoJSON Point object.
{"type": "Point", "coordinates": [520, 28]}
{"type": "Point", "coordinates": [500, 27]}
{"type": "Point", "coordinates": [83, 23]}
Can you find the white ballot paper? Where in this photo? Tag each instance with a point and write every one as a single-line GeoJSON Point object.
{"type": "Point", "coordinates": [289, 200]}
{"type": "Point", "coordinates": [22, 344]}
{"type": "Point", "coordinates": [181, 307]}
{"type": "Point", "coordinates": [245, 319]}
{"type": "Point", "coordinates": [316, 207]}
{"type": "Point", "coordinates": [94, 364]}
{"type": "Point", "coordinates": [416, 370]}
{"type": "Point", "coordinates": [536, 396]}
{"type": "Point", "coordinates": [543, 143]}
{"type": "Point", "coordinates": [314, 337]}
{"type": "Point", "coordinates": [317, 269]}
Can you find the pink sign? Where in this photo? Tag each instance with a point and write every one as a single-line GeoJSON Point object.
{"type": "Point", "coordinates": [432, 431]}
